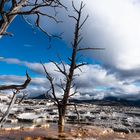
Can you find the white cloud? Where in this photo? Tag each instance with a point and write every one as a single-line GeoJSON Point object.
{"type": "Point", "coordinates": [116, 26]}
{"type": "Point", "coordinates": [113, 25]}
{"type": "Point", "coordinates": [94, 81]}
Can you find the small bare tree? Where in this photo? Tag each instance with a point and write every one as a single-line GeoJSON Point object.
{"type": "Point", "coordinates": [9, 9]}
{"type": "Point", "coordinates": [67, 84]}
{"type": "Point", "coordinates": [16, 89]}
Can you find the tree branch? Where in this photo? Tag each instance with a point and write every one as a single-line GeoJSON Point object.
{"type": "Point", "coordinates": [48, 95]}
{"type": "Point", "coordinates": [26, 7]}
{"type": "Point", "coordinates": [84, 21]}
{"type": "Point", "coordinates": [60, 69]}
{"type": "Point", "coordinates": [23, 97]}
{"type": "Point", "coordinates": [88, 48]}
{"type": "Point", "coordinates": [78, 116]}
{"type": "Point", "coordinates": [17, 87]}
{"type": "Point", "coordinates": [61, 85]}
{"type": "Point", "coordinates": [6, 114]}
{"type": "Point", "coordinates": [80, 65]}
{"type": "Point", "coordinates": [48, 76]}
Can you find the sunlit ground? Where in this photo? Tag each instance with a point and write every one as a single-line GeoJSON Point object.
{"type": "Point", "coordinates": [72, 132]}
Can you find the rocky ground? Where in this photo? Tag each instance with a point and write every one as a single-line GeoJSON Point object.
{"type": "Point", "coordinates": [119, 118]}
{"type": "Point", "coordinates": [36, 120]}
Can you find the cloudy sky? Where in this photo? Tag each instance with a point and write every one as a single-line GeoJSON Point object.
{"type": "Point", "coordinates": [115, 71]}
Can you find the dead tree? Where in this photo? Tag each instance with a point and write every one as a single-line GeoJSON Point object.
{"type": "Point", "coordinates": [67, 84]}
{"type": "Point", "coordinates": [9, 9]}
{"type": "Point", "coordinates": [16, 89]}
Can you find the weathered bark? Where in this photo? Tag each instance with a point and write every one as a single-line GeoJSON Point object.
{"type": "Point", "coordinates": [7, 19]}
{"type": "Point", "coordinates": [62, 105]}
{"type": "Point", "coordinates": [26, 8]}
{"type": "Point", "coordinates": [4, 25]}
{"type": "Point", "coordinates": [69, 75]}
{"type": "Point", "coordinates": [61, 111]}
{"type": "Point", "coordinates": [72, 67]}
{"type": "Point", "coordinates": [17, 87]}
{"type": "Point", "coordinates": [6, 114]}
{"type": "Point", "coordinates": [61, 121]}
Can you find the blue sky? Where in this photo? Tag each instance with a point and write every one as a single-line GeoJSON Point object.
{"type": "Point", "coordinates": [116, 68]}
{"type": "Point", "coordinates": [28, 45]}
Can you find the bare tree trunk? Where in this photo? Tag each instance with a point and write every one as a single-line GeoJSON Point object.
{"type": "Point", "coordinates": [7, 20]}
{"type": "Point", "coordinates": [69, 76]}
{"type": "Point", "coordinates": [25, 8]}
{"type": "Point", "coordinates": [17, 88]}
{"type": "Point", "coordinates": [6, 114]}
{"type": "Point", "coordinates": [61, 121]}
{"type": "Point", "coordinates": [4, 25]}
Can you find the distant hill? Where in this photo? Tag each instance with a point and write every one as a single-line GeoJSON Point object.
{"type": "Point", "coordinates": [111, 101]}
{"type": "Point", "coordinates": [42, 96]}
